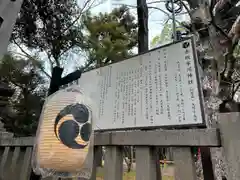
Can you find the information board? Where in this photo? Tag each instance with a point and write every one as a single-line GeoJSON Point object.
{"type": "Point", "coordinates": [155, 89]}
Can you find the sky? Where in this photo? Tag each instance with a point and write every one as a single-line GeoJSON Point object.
{"type": "Point", "coordinates": [155, 24]}
{"type": "Point", "coordinates": [156, 17]}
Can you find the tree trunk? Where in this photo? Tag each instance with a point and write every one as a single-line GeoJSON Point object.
{"type": "Point", "coordinates": [142, 11]}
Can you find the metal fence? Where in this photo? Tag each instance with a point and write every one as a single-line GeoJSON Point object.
{"type": "Point", "coordinates": [15, 153]}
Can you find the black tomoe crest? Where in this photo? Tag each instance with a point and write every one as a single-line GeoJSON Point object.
{"type": "Point", "coordinates": [70, 129]}
{"type": "Point", "coordinates": [185, 45]}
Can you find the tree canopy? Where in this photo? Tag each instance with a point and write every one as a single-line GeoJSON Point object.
{"type": "Point", "coordinates": [108, 37]}
{"type": "Point", "coordinates": [48, 26]}
{"type": "Point", "coordinates": [22, 114]}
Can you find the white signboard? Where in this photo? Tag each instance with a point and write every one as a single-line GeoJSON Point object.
{"type": "Point", "coordinates": [156, 89]}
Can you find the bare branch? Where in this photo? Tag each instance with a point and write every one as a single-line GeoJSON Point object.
{"type": "Point", "coordinates": [235, 90]}
{"type": "Point", "coordinates": [152, 7]}
{"type": "Point", "coordinates": [169, 16]}
{"type": "Point", "coordinates": [187, 9]}
{"type": "Point", "coordinates": [155, 2]}
{"type": "Point", "coordinates": [214, 23]}
{"type": "Point", "coordinates": [83, 10]}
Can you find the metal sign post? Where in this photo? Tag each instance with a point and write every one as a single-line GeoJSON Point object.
{"type": "Point", "coordinates": [173, 21]}
{"type": "Point", "coordinates": [174, 7]}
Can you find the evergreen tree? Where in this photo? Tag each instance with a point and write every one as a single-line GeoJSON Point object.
{"type": "Point", "coordinates": [22, 114]}
{"type": "Point", "coordinates": [48, 26]}
{"type": "Point", "coordinates": [109, 37]}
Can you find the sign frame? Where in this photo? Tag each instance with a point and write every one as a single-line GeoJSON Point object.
{"type": "Point", "coordinates": [199, 86]}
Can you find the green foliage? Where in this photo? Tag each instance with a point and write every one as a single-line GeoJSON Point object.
{"type": "Point", "coordinates": [21, 116]}
{"type": "Point", "coordinates": [109, 37]}
{"type": "Point", "coordinates": [166, 34]}
{"type": "Point", "coordinates": [48, 26]}
{"type": "Point", "coordinates": [155, 41]}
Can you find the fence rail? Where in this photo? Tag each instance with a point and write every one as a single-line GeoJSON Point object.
{"type": "Point", "coordinates": [15, 153]}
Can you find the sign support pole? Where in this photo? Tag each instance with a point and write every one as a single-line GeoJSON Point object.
{"type": "Point", "coordinates": [173, 22]}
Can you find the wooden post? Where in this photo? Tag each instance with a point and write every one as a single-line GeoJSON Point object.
{"type": "Point", "coordinates": [207, 163]}
{"type": "Point", "coordinates": [146, 168]}
{"type": "Point", "coordinates": [184, 164]}
{"type": "Point", "coordinates": [15, 157]}
{"type": "Point", "coordinates": [95, 162]}
{"type": "Point", "coordinates": [229, 125]}
{"type": "Point", "coordinates": [3, 161]}
{"type": "Point", "coordinates": [113, 163]}
{"type": "Point", "coordinates": [26, 166]}
{"type": "Point", "coordinates": [98, 154]}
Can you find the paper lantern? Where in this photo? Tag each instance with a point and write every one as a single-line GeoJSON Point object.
{"type": "Point", "coordinates": [63, 137]}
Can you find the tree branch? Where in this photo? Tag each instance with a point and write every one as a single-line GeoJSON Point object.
{"type": "Point", "coordinates": [235, 90]}
{"type": "Point", "coordinates": [155, 2]}
{"type": "Point", "coordinates": [66, 50]}
{"type": "Point", "coordinates": [152, 7]}
{"type": "Point", "coordinates": [49, 59]}
{"type": "Point", "coordinates": [31, 58]}
{"type": "Point", "coordinates": [80, 14]}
